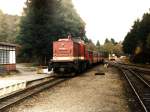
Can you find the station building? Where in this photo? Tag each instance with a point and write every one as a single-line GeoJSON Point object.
{"type": "Point", "coordinates": [7, 57]}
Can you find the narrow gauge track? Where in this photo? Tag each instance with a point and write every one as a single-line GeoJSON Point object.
{"type": "Point", "coordinates": [20, 95]}
{"type": "Point", "coordinates": [131, 66]}
{"type": "Point", "coordinates": [135, 65]}
{"type": "Point", "coordinates": [140, 87]}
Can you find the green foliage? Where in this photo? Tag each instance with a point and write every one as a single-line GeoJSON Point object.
{"type": "Point", "coordinates": [136, 42]}
{"type": "Point", "coordinates": [67, 21]}
{"type": "Point", "coordinates": [85, 39]}
{"type": "Point", "coordinates": [98, 45]}
{"type": "Point", "coordinates": [113, 41]}
{"type": "Point", "coordinates": [90, 45]}
{"type": "Point", "coordinates": [110, 46]}
{"type": "Point", "coordinates": [9, 27]}
{"type": "Point", "coordinates": [45, 21]}
{"type": "Point", "coordinates": [130, 41]}
{"type": "Point", "coordinates": [106, 41]}
{"type": "Point", "coordinates": [148, 41]}
{"type": "Point", "coordinates": [34, 33]}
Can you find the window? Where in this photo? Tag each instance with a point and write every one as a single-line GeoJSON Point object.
{"type": "Point", "coordinates": [4, 57]}
{"type": "Point", "coordinates": [1, 56]}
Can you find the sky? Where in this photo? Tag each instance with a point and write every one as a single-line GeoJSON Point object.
{"type": "Point", "coordinates": [103, 18]}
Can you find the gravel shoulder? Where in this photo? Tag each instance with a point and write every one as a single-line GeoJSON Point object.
{"type": "Point", "coordinates": [85, 93]}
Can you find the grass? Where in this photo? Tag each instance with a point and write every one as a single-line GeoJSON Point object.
{"type": "Point", "coordinates": [127, 61]}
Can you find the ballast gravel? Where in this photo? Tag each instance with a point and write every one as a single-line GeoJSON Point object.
{"type": "Point", "coordinates": [85, 93]}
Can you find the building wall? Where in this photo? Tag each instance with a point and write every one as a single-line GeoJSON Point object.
{"type": "Point", "coordinates": [10, 67]}
{"type": "Point", "coordinates": [7, 58]}
{"type": "Point", "coordinates": [12, 57]}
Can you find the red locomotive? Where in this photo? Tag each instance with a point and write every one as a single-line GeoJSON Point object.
{"type": "Point", "coordinates": [70, 54]}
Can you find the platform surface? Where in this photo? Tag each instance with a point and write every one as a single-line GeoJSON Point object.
{"type": "Point", "coordinates": [10, 84]}
{"type": "Point", "coordinates": [7, 81]}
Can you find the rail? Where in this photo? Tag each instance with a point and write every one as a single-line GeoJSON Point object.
{"type": "Point", "coordinates": [130, 66]}
{"type": "Point", "coordinates": [140, 87]}
{"type": "Point", "coordinates": [137, 82]}
{"type": "Point", "coordinates": [9, 100]}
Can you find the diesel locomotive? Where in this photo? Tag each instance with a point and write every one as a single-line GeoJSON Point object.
{"type": "Point", "coordinates": [71, 55]}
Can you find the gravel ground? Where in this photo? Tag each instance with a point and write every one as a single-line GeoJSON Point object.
{"type": "Point", "coordinates": [146, 76]}
{"type": "Point", "coordinates": [85, 93]}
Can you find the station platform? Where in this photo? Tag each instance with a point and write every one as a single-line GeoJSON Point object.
{"type": "Point", "coordinates": [17, 82]}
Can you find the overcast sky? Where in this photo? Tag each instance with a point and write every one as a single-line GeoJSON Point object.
{"type": "Point", "coordinates": [104, 18]}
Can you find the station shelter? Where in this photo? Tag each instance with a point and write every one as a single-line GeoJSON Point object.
{"type": "Point", "coordinates": [7, 57]}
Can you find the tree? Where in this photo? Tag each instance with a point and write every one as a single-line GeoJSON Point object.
{"type": "Point", "coordinates": [112, 41]}
{"type": "Point", "coordinates": [106, 41]}
{"type": "Point", "coordinates": [35, 30]}
{"type": "Point", "coordinates": [110, 46]}
{"type": "Point", "coordinates": [91, 46]}
{"type": "Point", "coordinates": [66, 20]}
{"type": "Point", "coordinates": [148, 41]}
{"type": "Point", "coordinates": [45, 21]}
{"type": "Point", "coordinates": [131, 39]}
{"type": "Point", "coordinates": [136, 41]}
{"type": "Point", "coordinates": [9, 27]}
{"type": "Point", "coordinates": [3, 27]}
{"type": "Point", "coordinates": [98, 45]}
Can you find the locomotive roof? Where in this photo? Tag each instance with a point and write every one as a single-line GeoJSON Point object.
{"type": "Point", "coordinates": [75, 39]}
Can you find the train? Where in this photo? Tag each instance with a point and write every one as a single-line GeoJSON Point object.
{"type": "Point", "coordinates": [71, 55]}
{"type": "Point", "coordinates": [112, 57]}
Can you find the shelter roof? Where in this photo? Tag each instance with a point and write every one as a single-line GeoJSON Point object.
{"type": "Point", "coordinates": [8, 44]}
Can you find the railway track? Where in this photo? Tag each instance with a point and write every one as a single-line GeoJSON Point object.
{"type": "Point", "coordinates": [9, 100]}
{"type": "Point", "coordinates": [130, 66]}
{"type": "Point", "coordinates": [138, 83]}
{"type": "Point", "coordinates": [140, 86]}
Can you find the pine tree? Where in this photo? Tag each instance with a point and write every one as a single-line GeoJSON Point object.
{"type": "Point", "coordinates": [112, 41]}
{"type": "Point", "coordinates": [106, 41]}
{"type": "Point", "coordinates": [138, 38]}
{"type": "Point", "coordinates": [35, 27]}
{"type": "Point", "coordinates": [98, 45]}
